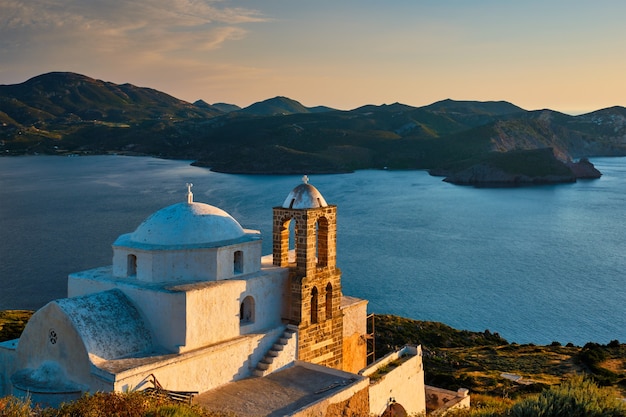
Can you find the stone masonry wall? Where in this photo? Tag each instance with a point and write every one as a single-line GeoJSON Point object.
{"type": "Point", "coordinates": [356, 406]}
{"type": "Point", "coordinates": [315, 281]}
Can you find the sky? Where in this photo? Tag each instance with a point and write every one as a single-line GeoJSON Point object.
{"type": "Point", "coordinates": [568, 56]}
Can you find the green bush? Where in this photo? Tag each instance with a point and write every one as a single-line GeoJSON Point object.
{"type": "Point", "coordinates": [577, 397]}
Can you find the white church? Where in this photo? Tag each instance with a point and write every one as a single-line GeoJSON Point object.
{"type": "Point", "coordinates": [190, 304]}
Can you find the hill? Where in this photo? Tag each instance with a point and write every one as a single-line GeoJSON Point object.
{"type": "Point", "coordinates": [280, 106]}
{"type": "Point", "coordinates": [217, 107]}
{"type": "Point", "coordinates": [73, 96]}
{"type": "Point", "coordinates": [487, 364]}
{"type": "Point", "coordinates": [469, 142]}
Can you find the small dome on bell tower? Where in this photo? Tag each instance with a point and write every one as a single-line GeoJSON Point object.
{"type": "Point", "coordinates": [304, 196]}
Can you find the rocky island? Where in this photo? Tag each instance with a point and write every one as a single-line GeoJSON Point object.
{"type": "Point", "coordinates": [548, 171]}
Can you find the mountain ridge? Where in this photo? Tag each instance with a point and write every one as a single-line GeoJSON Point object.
{"type": "Point", "coordinates": [59, 113]}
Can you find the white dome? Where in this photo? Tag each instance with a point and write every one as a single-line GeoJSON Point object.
{"type": "Point", "coordinates": [187, 224]}
{"type": "Point", "coordinates": [304, 196]}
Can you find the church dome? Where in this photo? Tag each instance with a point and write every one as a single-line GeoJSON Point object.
{"type": "Point", "coordinates": [187, 224]}
{"type": "Point", "coordinates": [304, 196]}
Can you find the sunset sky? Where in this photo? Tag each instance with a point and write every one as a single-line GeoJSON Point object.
{"type": "Point", "coordinates": [566, 55]}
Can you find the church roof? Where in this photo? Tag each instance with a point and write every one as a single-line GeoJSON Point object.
{"type": "Point", "coordinates": [187, 224]}
{"type": "Point", "coordinates": [108, 323]}
{"type": "Point", "coordinates": [304, 196]}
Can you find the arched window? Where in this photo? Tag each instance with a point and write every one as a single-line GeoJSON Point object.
{"type": "Point", "coordinates": [246, 310]}
{"type": "Point", "coordinates": [314, 304]}
{"type": "Point", "coordinates": [131, 267]}
{"type": "Point", "coordinates": [238, 262]}
{"type": "Point", "coordinates": [322, 241]}
{"type": "Point", "coordinates": [329, 301]}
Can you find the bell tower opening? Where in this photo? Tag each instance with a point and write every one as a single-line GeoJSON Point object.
{"type": "Point", "coordinates": [329, 301]}
{"type": "Point", "coordinates": [321, 244]}
{"type": "Point", "coordinates": [314, 305]}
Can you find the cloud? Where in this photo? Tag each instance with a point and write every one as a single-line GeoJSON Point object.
{"type": "Point", "coordinates": [160, 26]}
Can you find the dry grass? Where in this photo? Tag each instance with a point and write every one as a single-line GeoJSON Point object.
{"type": "Point", "coordinates": [477, 360]}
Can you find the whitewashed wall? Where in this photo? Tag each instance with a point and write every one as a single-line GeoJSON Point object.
{"type": "Point", "coordinates": [404, 384]}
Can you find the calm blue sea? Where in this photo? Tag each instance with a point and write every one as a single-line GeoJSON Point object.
{"type": "Point", "coordinates": [536, 265]}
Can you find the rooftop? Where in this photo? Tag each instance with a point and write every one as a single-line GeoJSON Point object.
{"type": "Point", "coordinates": [278, 394]}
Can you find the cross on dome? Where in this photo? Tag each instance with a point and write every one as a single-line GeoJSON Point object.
{"type": "Point", "coordinates": [305, 179]}
{"type": "Point", "coordinates": [189, 193]}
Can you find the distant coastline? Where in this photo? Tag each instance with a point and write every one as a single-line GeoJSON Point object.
{"type": "Point", "coordinates": [477, 176]}
{"type": "Point", "coordinates": [484, 144]}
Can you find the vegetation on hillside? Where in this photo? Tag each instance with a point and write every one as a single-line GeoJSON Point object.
{"type": "Point", "coordinates": [487, 364]}
{"type": "Point", "coordinates": [12, 323]}
{"type": "Point", "coordinates": [575, 397]}
{"type": "Point", "coordinates": [65, 113]}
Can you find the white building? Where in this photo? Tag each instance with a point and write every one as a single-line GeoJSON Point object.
{"type": "Point", "coordinates": [190, 302]}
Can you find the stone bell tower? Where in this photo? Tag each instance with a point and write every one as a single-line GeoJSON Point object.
{"type": "Point", "coordinates": [315, 281]}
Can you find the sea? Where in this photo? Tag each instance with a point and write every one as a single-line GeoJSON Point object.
{"type": "Point", "coordinates": [537, 264]}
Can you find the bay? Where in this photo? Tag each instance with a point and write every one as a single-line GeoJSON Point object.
{"type": "Point", "coordinates": [536, 264]}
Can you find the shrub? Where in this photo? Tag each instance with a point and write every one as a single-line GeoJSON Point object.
{"type": "Point", "coordinates": [577, 397]}
{"type": "Point", "coordinates": [592, 354]}
{"type": "Point", "coordinates": [14, 407]}
{"type": "Point", "coordinates": [116, 404]}
{"type": "Point", "coordinates": [173, 410]}
{"type": "Point", "coordinates": [132, 404]}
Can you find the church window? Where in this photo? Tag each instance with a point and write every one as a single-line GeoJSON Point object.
{"type": "Point", "coordinates": [238, 262]}
{"type": "Point", "coordinates": [329, 301]}
{"type": "Point", "coordinates": [246, 310]}
{"type": "Point", "coordinates": [314, 305]}
{"type": "Point", "coordinates": [132, 265]}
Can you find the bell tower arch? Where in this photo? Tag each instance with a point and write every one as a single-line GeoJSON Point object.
{"type": "Point", "coordinates": [315, 281]}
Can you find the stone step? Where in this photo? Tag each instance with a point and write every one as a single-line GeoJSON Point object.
{"type": "Point", "coordinates": [262, 368]}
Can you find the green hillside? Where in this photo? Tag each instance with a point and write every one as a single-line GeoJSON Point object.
{"type": "Point", "coordinates": [61, 113]}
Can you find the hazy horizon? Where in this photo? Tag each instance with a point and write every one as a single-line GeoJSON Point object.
{"type": "Point", "coordinates": [556, 54]}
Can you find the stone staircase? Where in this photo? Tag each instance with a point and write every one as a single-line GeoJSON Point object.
{"type": "Point", "coordinates": [275, 358]}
